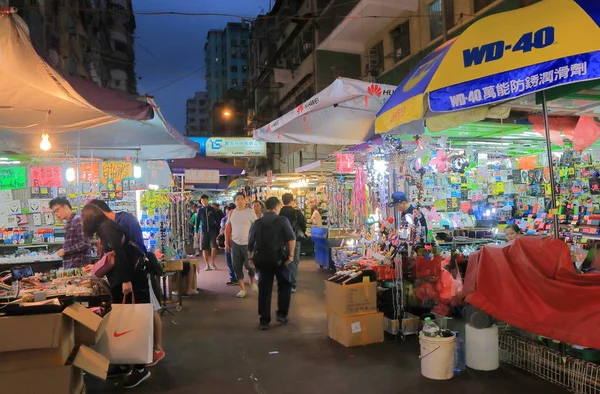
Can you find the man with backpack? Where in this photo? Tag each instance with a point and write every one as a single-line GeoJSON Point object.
{"type": "Point", "coordinates": [298, 222]}
{"type": "Point", "coordinates": [269, 244]}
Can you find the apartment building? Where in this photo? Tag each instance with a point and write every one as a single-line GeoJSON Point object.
{"type": "Point", "coordinates": [391, 49]}
{"type": "Point", "coordinates": [91, 39]}
{"type": "Point", "coordinates": [197, 116]}
{"type": "Point", "coordinates": [226, 60]}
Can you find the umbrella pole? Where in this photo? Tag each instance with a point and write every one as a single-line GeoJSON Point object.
{"type": "Point", "coordinates": [550, 162]}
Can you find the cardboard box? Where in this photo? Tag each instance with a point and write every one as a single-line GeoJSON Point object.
{"type": "Point", "coordinates": [33, 332]}
{"type": "Point", "coordinates": [67, 379]}
{"type": "Point", "coordinates": [355, 330]}
{"type": "Point", "coordinates": [89, 327]}
{"type": "Point", "coordinates": [40, 358]}
{"type": "Point", "coordinates": [355, 299]}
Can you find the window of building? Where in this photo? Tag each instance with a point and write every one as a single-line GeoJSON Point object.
{"type": "Point", "coordinates": [401, 40]}
{"type": "Point", "coordinates": [436, 27]}
{"type": "Point", "coordinates": [234, 82]}
{"type": "Point", "coordinates": [192, 120]}
{"type": "Point", "coordinates": [375, 62]}
{"type": "Point", "coordinates": [234, 69]}
{"type": "Point", "coordinates": [479, 5]}
{"type": "Point", "coordinates": [121, 46]}
{"type": "Point", "coordinates": [244, 68]}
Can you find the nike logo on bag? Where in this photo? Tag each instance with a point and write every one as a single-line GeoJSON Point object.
{"type": "Point", "coordinates": [120, 334]}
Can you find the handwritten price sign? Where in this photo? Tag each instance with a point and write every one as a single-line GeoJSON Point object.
{"type": "Point", "coordinates": [116, 170]}
{"type": "Point", "coordinates": [90, 172]}
{"type": "Point", "coordinates": [46, 176]}
{"type": "Point", "coordinates": [12, 178]}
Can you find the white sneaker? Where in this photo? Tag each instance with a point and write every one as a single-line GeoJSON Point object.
{"type": "Point", "coordinates": [241, 294]}
{"type": "Point", "coordinates": [214, 267]}
{"type": "Point", "coordinates": [207, 269]}
{"type": "Point", "coordinates": [255, 287]}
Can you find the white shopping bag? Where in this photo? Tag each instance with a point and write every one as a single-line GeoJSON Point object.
{"type": "Point", "coordinates": [128, 337]}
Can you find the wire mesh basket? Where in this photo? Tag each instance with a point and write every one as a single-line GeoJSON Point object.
{"type": "Point", "coordinates": [578, 376]}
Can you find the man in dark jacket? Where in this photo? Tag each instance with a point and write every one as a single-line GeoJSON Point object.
{"type": "Point", "coordinates": [269, 242]}
{"type": "Point", "coordinates": [208, 226]}
{"type": "Point", "coordinates": [298, 222]}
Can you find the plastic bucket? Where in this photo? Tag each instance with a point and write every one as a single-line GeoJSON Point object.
{"type": "Point", "coordinates": [482, 348]}
{"type": "Point", "coordinates": [437, 357]}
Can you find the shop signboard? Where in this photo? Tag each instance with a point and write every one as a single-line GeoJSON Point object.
{"type": "Point", "coordinates": [12, 178]}
{"type": "Point", "coordinates": [344, 163]}
{"type": "Point", "coordinates": [116, 170]}
{"type": "Point", "coordinates": [269, 178]}
{"type": "Point", "coordinates": [50, 176]}
{"type": "Point", "coordinates": [201, 176]}
{"type": "Point", "coordinates": [90, 172]}
{"type": "Point", "coordinates": [231, 147]}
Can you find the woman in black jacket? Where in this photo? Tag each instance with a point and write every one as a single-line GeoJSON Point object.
{"type": "Point", "coordinates": [127, 284]}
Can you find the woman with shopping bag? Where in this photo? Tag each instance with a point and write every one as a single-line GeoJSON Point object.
{"type": "Point", "coordinates": [129, 329]}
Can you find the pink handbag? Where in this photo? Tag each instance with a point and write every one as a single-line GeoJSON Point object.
{"type": "Point", "coordinates": [104, 265]}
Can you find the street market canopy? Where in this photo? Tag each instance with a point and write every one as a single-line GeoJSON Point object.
{"type": "Point", "coordinates": [36, 99]}
{"type": "Point", "coordinates": [178, 166]}
{"type": "Point", "coordinates": [341, 114]}
{"type": "Point", "coordinates": [498, 58]}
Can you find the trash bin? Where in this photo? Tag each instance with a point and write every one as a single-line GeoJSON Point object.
{"type": "Point", "coordinates": [437, 357]}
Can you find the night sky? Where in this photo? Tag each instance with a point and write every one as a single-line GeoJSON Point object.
{"type": "Point", "coordinates": [168, 47]}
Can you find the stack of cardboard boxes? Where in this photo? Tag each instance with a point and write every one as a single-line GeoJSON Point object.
{"type": "Point", "coordinates": [352, 317]}
{"type": "Point", "coordinates": [47, 353]}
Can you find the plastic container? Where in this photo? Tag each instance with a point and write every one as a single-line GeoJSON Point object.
{"type": "Point", "coordinates": [460, 363]}
{"type": "Point", "coordinates": [430, 329]}
{"type": "Point", "coordinates": [437, 357]}
{"type": "Point", "coordinates": [482, 348]}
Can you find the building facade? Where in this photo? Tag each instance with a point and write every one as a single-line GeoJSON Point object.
{"type": "Point", "coordinates": [226, 64]}
{"type": "Point", "coordinates": [197, 114]}
{"type": "Point", "coordinates": [91, 39]}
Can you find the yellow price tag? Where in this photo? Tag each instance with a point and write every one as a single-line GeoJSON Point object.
{"type": "Point", "coordinates": [366, 279]}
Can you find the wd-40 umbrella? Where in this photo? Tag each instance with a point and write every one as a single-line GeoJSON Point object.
{"type": "Point", "coordinates": [496, 59]}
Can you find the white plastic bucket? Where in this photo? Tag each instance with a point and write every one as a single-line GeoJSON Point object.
{"type": "Point", "coordinates": [437, 357]}
{"type": "Point", "coordinates": [482, 348]}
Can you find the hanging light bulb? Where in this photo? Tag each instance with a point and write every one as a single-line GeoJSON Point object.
{"type": "Point", "coordinates": [45, 144]}
{"type": "Point", "coordinates": [70, 174]}
{"type": "Point", "coordinates": [137, 170]}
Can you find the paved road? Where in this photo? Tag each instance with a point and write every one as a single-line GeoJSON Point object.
{"type": "Point", "coordinates": [214, 347]}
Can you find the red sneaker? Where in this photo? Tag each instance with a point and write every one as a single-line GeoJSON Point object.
{"type": "Point", "coordinates": [156, 357]}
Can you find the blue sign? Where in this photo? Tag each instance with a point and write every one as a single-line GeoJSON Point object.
{"type": "Point", "coordinates": [231, 147]}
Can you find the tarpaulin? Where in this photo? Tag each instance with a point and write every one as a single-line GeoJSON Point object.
{"type": "Point", "coordinates": [531, 283]}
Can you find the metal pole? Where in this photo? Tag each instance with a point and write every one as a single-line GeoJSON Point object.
{"type": "Point", "coordinates": [550, 162]}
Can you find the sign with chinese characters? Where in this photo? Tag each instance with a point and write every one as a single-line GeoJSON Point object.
{"type": "Point", "coordinates": [269, 178]}
{"type": "Point", "coordinates": [201, 176]}
{"type": "Point", "coordinates": [90, 172]}
{"type": "Point", "coordinates": [46, 176]}
{"type": "Point", "coordinates": [116, 170]}
{"type": "Point", "coordinates": [235, 147]}
{"type": "Point", "coordinates": [12, 178]}
{"type": "Point", "coordinates": [515, 83]}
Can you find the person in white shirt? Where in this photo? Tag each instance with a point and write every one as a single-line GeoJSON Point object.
{"type": "Point", "coordinates": [315, 218]}
{"type": "Point", "coordinates": [236, 241]}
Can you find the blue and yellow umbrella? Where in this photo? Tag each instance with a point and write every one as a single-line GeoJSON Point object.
{"type": "Point", "coordinates": [499, 58]}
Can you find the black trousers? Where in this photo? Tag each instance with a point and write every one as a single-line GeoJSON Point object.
{"type": "Point", "coordinates": [267, 274]}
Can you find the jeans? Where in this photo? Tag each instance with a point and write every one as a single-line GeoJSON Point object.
{"type": "Point", "coordinates": [239, 257]}
{"type": "Point", "coordinates": [232, 277]}
{"type": "Point", "coordinates": [293, 266]}
{"type": "Point", "coordinates": [267, 273]}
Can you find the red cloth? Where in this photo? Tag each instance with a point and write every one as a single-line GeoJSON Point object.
{"type": "Point", "coordinates": [531, 283]}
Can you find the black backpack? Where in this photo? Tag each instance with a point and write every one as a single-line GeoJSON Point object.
{"type": "Point", "coordinates": [269, 247]}
{"type": "Point", "coordinates": [147, 261]}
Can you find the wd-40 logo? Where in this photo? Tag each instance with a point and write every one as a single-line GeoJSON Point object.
{"type": "Point", "coordinates": [374, 90]}
{"type": "Point", "coordinates": [215, 144]}
{"type": "Point", "coordinates": [496, 50]}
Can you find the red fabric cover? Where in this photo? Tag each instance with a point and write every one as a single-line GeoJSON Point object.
{"type": "Point", "coordinates": [531, 284]}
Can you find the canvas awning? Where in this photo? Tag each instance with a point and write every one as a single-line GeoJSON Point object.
{"type": "Point", "coordinates": [341, 114]}
{"type": "Point", "coordinates": [36, 99]}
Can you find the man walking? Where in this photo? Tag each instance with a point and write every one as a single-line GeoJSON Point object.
{"type": "Point", "coordinates": [236, 241]}
{"type": "Point", "coordinates": [76, 250]}
{"type": "Point", "coordinates": [208, 227]}
{"type": "Point", "coordinates": [298, 223]}
{"type": "Point", "coordinates": [271, 238]}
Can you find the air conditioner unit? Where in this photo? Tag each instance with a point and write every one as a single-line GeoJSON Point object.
{"type": "Point", "coordinates": [281, 63]}
{"type": "Point", "coordinates": [308, 47]}
{"type": "Point", "coordinates": [398, 53]}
